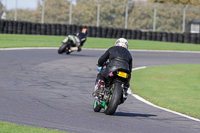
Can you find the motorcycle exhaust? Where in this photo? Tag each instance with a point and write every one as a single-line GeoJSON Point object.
{"type": "Point", "coordinates": [74, 48]}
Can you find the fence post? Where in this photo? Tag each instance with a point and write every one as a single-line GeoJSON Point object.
{"type": "Point", "coordinates": [98, 13]}
{"type": "Point", "coordinates": [126, 15]}
{"type": "Point", "coordinates": [155, 13]}
{"type": "Point", "coordinates": [16, 10]}
{"type": "Point", "coordinates": [70, 13]}
{"type": "Point", "coordinates": [43, 9]}
{"type": "Point", "coordinates": [184, 15]}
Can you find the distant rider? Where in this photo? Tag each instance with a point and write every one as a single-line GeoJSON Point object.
{"type": "Point", "coordinates": [77, 39]}
{"type": "Point", "coordinates": [119, 57]}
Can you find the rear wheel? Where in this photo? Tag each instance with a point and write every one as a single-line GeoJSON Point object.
{"type": "Point", "coordinates": [114, 99]}
{"type": "Point", "coordinates": [62, 48]}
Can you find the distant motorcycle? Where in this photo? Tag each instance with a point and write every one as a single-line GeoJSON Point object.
{"type": "Point", "coordinates": [69, 46]}
{"type": "Point", "coordinates": [73, 42]}
{"type": "Point", "coordinates": [112, 95]}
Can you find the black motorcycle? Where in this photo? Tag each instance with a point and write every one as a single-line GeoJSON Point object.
{"type": "Point", "coordinates": [112, 95]}
{"type": "Point", "coordinates": [68, 46]}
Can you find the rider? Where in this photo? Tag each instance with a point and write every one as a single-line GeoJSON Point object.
{"type": "Point", "coordinates": [77, 38]}
{"type": "Point", "coordinates": [119, 57]}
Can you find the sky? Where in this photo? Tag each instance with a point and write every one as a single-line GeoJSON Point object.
{"type": "Point", "coordinates": [24, 4]}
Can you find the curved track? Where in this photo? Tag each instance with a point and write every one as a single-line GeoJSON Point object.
{"type": "Point", "coordinates": [41, 88]}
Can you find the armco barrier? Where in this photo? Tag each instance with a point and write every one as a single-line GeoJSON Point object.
{"type": "Point", "coordinates": [20, 27]}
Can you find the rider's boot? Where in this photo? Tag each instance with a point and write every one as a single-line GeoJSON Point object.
{"type": "Point", "coordinates": [99, 87]}
{"type": "Point", "coordinates": [79, 48]}
{"type": "Point", "coordinates": [125, 94]}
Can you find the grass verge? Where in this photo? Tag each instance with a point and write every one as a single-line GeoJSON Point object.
{"type": "Point", "coordinates": [176, 87]}
{"type": "Point", "coordinates": [10, 40]}
{"type": "Point", "coordinates": [12, 128]}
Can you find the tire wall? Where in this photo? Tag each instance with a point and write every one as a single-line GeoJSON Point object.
{"type": "Point", "coordinates": [21, 27]}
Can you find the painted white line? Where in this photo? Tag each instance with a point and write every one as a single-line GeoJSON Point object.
{"type": "Point", "coordinates": [133, 69]}
{"type": "Point", "coordinates": [151, 104]}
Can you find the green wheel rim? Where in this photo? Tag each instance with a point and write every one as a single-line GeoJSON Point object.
{"type": "Point", "coordinates": [106, 106]}
{"type": "Point", "coordinates": [95, 104]}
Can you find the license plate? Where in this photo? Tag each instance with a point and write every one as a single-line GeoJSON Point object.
{"type": "Point", "coordinates": [122, 74]}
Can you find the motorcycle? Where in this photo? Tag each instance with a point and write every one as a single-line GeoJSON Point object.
{"type": "Point", "coordinates": [112, 94]}
{"type": "Point", "coordinates": [68, 46]}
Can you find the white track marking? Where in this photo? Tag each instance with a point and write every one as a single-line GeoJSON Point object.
{"type": "Point", "coordinates": [149, 103]}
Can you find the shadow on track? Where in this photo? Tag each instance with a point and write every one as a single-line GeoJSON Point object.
{"type": "Point", "coordinates": [76, 55]}
{"type": "Point", "coordinates": [133, 114]}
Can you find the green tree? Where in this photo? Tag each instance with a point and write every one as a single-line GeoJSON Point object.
{"type": "Point", "coordinates": [85, 13]}
{"type": "Point", "coordinates": [113, 13]}
{"type": "Point", "coordinates": [186, 2]}
{"type": "Point", "coordinates": [56, 11]}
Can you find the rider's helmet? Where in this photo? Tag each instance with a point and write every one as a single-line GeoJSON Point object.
{"type": "Point", "coordinates": [84, 31]}
{"type": "Point", "coordinates": [122, 42]}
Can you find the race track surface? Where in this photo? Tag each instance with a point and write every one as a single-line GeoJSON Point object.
{"type": "Point", "coordinates": [44, 89]}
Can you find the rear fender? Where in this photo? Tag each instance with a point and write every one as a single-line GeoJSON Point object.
{"type": "Point", "coordinates": [112, 76]}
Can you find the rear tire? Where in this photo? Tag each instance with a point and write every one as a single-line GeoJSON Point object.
{"type": "Point", "coordinates": [62, 48]}
{"type": "Point", "coordinates": [115, 99]}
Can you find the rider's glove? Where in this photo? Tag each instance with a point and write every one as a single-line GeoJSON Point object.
{"type": "Point", "coordinates": [99, 68]}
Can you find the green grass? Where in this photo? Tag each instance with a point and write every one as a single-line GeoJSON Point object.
{"type": "Point", "coordinates": [12, 128]}
{"type": "Point", "coordinates": [176, 87]}
{"type": "Point", "coordinates": [10, 40]}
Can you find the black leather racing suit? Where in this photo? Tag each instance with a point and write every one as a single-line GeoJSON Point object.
{"type": "Point", "coordinates": [119, 57]}
{"type": "Point", "coordinates": [82, 37]}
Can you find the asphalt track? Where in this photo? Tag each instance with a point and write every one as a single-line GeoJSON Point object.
{"type": "Point", "coordinates": [41, 88]}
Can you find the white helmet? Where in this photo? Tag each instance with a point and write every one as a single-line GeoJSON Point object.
{"type": "Point", "coordinates": [122, 42]}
